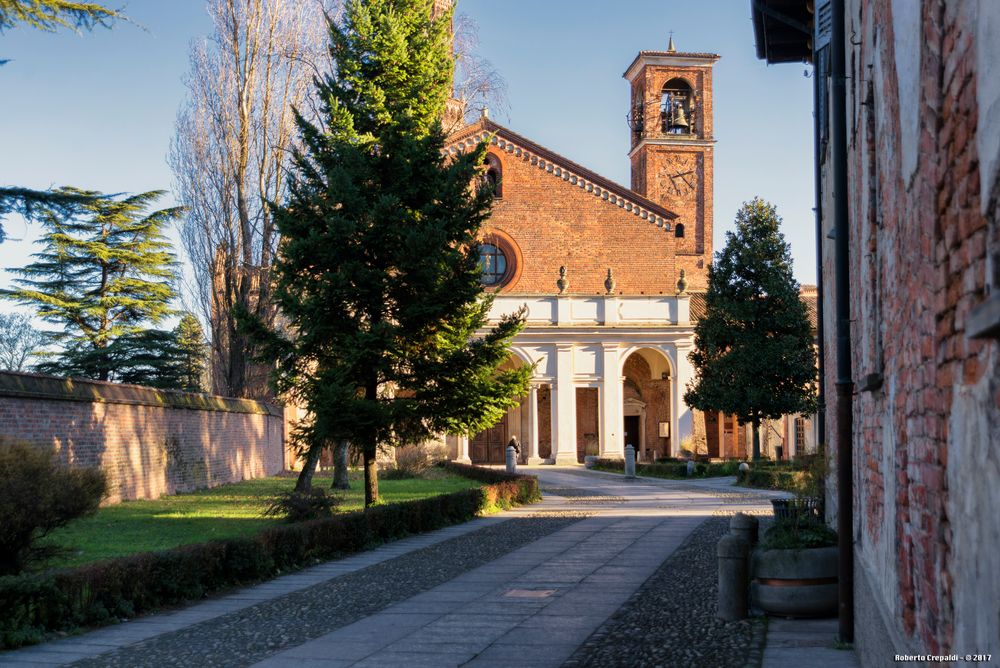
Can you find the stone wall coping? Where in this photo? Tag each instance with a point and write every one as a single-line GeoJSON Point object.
{"type": "Point", "coordinates": [17, 385]}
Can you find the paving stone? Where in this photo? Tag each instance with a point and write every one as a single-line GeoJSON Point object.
{"type": "Point", "coordinates": [262, 630]}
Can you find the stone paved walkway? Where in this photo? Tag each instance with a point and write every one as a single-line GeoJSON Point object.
{"type": "Point", "coordinates": [546, 584]}
{"type": "Point", "coordinates": [797, 643]}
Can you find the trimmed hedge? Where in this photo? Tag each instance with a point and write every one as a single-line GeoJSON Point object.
{"type": "Point", "coordinates": [107, 591]}
{"type": "Point", "coordinates": [671, 468]}
{"type": "Point", "coordinates": [773, 478]}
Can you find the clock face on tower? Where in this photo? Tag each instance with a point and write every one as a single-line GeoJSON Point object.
{"type": "Point", "coordinates": [678, 175]}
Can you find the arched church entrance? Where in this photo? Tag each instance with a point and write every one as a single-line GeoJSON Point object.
{"type": "Point", "coordinates": [646, 397]}
{"type": "Point", "coordinates": [490, 446]}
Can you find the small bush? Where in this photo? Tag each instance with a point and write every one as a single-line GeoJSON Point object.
{"type": "Point", "coordinates": [312, 504]}
{"type": "Point", "coordinates": [798, 534]}
{"type": "Point", "coordinates": [38, 495]}
{"type": "Point", "coordinates": [412, 461]}
{"type": "Point", "coordinates": [397, 473]}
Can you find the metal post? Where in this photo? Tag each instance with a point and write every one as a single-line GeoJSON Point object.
{"type": "Point", "coordinates": [845, 386]}
{"type": "Point", "coordinates": [511, 459]}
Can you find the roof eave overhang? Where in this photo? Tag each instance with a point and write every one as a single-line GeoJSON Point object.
{"type": "Point", "coordinates": [782, 30]}
{"type": "Point", "coordinates": [668, 59]}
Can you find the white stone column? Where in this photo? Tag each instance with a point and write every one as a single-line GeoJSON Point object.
{"type": "Point", "coordinates": [612, 418]}
{"type": "Point", "coordinates": [564, 407]}
{"type": "Point", "coordinates": [463, 449]}
{"type": "Point", "coordinates": [533, 457]}
{"type": "Point", "coordinates": [792, 435]}
{"type": "Point", "coordinates": [681, 418]}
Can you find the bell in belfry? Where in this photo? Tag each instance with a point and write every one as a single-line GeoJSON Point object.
{"type": "Point", "coordinates": [680, 119]}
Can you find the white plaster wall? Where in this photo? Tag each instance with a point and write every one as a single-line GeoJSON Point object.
{"type": "Point", "coordinates": [973, 508]}
{"type": "Point", "coordinates": [907, 33]}
{"type": "Point", "coordinates": [988, 93]}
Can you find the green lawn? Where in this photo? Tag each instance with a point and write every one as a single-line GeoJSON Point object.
{"type": "Point", "coordinates": [221, 512]}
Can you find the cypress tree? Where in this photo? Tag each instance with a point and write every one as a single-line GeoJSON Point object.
{"type": "Point", "coordinates": [754, 355]}
{"type": "Point", "coordinates": [105, 270]}
{"type": "Point", "coordinates": [193, 353]}
{"type": "Point", "coordinates": [379, 274]}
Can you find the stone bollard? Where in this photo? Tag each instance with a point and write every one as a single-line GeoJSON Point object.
{"type": "Point", "coordinates": [629, 461]}
{"type": "Point", "coordinates": [732, 551]}
{"type": "Point", "coordinates": [746, 527]}
{"type": "Point", "coordinates": [511, 459]}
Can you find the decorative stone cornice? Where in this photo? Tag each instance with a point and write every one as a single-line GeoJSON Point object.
{"type": "Point", "coordinates": [669, 59]}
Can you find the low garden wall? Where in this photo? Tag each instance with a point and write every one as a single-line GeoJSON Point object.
{"type": "Point", "coordinates": [149, 442]}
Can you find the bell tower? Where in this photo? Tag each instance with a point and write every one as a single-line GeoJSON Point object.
{"type": "Point", "coordinates": [454, 113]}
{"type": "Point", "coordinates": [670, 118]}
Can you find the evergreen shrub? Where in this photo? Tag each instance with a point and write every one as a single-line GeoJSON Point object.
{"type": "Point", "coordinates": [38, 495]}
{"type": "Point", "coordinates": [301, 506]}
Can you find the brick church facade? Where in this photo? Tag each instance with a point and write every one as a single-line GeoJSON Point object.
{"type": "Point", "coordinates": [612, 278]}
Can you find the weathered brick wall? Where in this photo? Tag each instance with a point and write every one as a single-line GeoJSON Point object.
{"type": "Point", "coordinates": [926, 426]}
{"type": "Point", "coordinates": [149, 442]}
{"type": "Point", "coordinates": [587, 429]}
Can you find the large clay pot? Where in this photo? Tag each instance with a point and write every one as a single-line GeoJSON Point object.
{"type": "Point", "coordinates": [795, 583]}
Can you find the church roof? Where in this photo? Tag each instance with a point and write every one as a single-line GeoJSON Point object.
{"type": "Point", "coordinates": [808, 298]}
{"type": "Point", "coordinates": [562, 168]}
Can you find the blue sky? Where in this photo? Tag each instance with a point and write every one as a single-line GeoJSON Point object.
{"type": "Point", "coordinates": [97, 110]}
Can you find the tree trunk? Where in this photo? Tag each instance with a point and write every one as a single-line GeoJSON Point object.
{"type": "Point", "coordinates": [340, 480]}
{"type": "Point", "coordinates": [371, 474]}
{"type": "Point", "coordinates": [304, 483]}
{"type": "Point", "coordinates": [756, 439]}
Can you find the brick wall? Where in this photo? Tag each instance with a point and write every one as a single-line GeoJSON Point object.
{"type": "Point", "coordinates": [149, 442]}
{"type": "Point", "coordinates": [655, 393]}
{"type": "Point", "coordinates": [554, 223]}
{"type": "Point", "coordinates": [926, 422]}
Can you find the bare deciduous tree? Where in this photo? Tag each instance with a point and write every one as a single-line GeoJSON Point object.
{"type": "Point", "coordinates": [234, 138]}
{"type": "Point", "coordinates": [18, 340]}
{"type": "Point", "coordinates": [478, 85]}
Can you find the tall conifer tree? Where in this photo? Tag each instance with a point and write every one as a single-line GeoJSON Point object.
{"type": "Point", "coordinates": [379, 274]}
{"type": "Point", "coordinates": [193, 353]}
{"type": "Point", "coordinates": [105, 272]}
{"type": "Point", "coordinates": [754, 355]}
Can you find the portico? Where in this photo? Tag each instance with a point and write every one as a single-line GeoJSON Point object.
{"type": "Point", "coordinates": [629, 350]}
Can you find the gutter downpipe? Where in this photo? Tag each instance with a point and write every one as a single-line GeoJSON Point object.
{"type": "Point", "coordinates": [818, 80]}
{"type": "Point", "coordinates": [845, 386]}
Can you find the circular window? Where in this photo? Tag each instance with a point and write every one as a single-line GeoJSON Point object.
{"type": "Point", "coordinates": [494, 263]}
{"type": "Point", "coordinates": [500, 260]}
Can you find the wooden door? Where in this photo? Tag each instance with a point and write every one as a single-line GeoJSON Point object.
{"type": "Point", "coordinates": [712, 433]}
{"type": "Point", "coordinates": [729, 436]}
{"type": "Point", "coordinates": [488, 446]}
